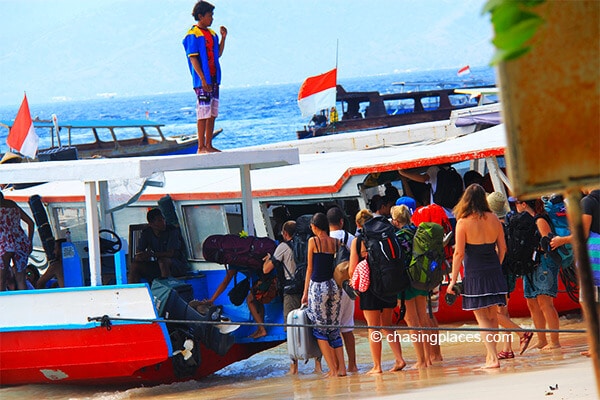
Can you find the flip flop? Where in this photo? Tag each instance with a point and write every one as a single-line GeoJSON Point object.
{"type": "Point", "coordinates": [503, 355]}
{"type": "Point", "coordinates": [524, 342]}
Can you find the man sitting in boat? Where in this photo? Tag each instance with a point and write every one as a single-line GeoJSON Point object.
{"type": "Point", "coordinates": [160, 252]}
{"type": "Point", "coordinates": [317, 121]}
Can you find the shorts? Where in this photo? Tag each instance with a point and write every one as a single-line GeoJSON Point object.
{"type": "Point", "coordinates": [207, 103]}
{"type": "Point", "coordinates": [291, 302]}
{"type": "Point", "coordinates": [435, 299]}
{"type": "Point", "coordinates": [346, 313]}
{"type": "Point", "coordinates": [543, 280]}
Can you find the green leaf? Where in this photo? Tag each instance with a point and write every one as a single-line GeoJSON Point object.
{"type": "Point", "coordinates": [506, 16]}
{"type": "Point", "coordinates": [507, 55]}
{"type": "Point", "coordinates": [518, 34]}
{"type": "Point", "coordinates": [491, 5]}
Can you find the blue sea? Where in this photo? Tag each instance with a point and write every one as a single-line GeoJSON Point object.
{"type": "Point", "coordinates": [248, 116]}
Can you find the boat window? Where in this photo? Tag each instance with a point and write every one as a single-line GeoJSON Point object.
{"type": "Point", "coordinates": [36, 241]}
{"type": "Point", "coordinates": [202, 221]}
{"type": "Point", "coordinates": [127, 216]}
{"type": "Point", "coordinates": [462, 100]}
{"type": "Point", "coordinates": [430, 103]}
{"type": "Point", "coordinates": [72, 218]}
{"type": "Point", "coordinates": [400, 106]}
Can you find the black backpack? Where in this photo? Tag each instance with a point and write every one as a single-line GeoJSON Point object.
{"type": "Point", "coordinates": [299, 246]}
{"type": "Point", "coordinates": [449, 187]}
{"type": "Point", "coordinates": [522, 241]}
{"type": "Point", "coordinates": [294, 285]}
{"type": "Point", "coordinates": [386, 259]}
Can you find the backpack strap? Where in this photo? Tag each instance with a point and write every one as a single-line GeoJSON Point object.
{"type": "Point", "coordinates": [317, 242]}
{"type": "Point", "coordinates": [358, 242]}
{"type": "Point", "coordinates": [283, 264]}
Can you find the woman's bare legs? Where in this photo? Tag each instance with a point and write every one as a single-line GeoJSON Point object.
{"type": "Point", "coordinates": [487, 318]}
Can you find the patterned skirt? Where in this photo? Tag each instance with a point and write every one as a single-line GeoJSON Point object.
{"type": "Point", "coordinates": [324, 299]}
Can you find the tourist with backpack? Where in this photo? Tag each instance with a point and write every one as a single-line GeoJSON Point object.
{"type": "Point", "coordinates": [415, 300]}
{"type": "Point", "coordinates": [283, 261]}
{"type": "Point", "coordinates": [541, 286]}
{"type": "Point", "coordinates": [446, 186]}
{"type": "Point", "coordinates": [336, 219]}
{"type": "Point", "coordinates": [377, 311]}
{"type": "Point", "coordinates": [590, 219]}
{"type": "Point", "coordinates": [323, 295]}
{"type": "Point", "coordinates": [480, 245]}
{"type": "Point", "coordinates": [499, 206]}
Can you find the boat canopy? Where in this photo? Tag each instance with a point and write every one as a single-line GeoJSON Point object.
{"type": "Point", "coordinates": [98, 171]}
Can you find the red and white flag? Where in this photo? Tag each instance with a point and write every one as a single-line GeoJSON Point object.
{"type": "Point", "coordinates": [317, 93]}
{"type": "Point", "coordinates": [22, 136]}
{"type": "Point", "coordinates": [464, 71]}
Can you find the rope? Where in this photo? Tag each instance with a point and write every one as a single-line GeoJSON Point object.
{"type": "Point", "coordinates": [378, 327]}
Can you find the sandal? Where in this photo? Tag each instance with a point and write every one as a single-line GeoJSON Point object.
{"type": "Point", "coordinates": [503, 355]}
{"type": "Point", "coordinates": [525, 341]}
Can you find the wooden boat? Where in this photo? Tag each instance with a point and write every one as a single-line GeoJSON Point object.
{"type": "Point", "coordinates": [104, 138]}
{"type": "Point", "coordinates": [215, 197]}
{"type": "Point", "coordinates": [372, 110]}
{"type": "Point", "coordinates": [70, 338]}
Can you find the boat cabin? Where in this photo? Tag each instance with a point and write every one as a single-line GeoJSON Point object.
{"type": "Point", "coordinates": [374, 110]}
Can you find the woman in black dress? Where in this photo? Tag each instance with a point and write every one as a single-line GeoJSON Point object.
{"type": "Point", "coordinates": [480, 244]}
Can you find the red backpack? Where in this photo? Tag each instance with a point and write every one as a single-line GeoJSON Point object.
{"type": "Point", "coordinates": [435, 213]}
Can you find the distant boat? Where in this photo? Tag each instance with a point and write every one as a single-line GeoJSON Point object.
{"type": "Point", "coordinates": [362, 111]}
{"type": "Point", "coordinates": [106, 139]}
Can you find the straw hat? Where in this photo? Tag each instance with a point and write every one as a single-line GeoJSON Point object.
{"type": "Point", "coordinates": [497, 203]}
{"type": "Point", "coordinates": [11, 158]}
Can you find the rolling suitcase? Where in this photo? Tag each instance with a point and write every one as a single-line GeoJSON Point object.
{"type": "Point", "coordinates": [302, 345]}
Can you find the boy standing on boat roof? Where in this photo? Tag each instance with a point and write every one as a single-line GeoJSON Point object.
{"type": "Point", "coordinates": [203, 50]}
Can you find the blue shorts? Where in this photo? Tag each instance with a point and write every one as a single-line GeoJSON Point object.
{"type": "Point", "coordinates": [543, 280]}
{"type": "Point", "coordinates": [207, 103]}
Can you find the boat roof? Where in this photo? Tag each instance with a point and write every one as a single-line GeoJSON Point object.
{"type": "Point", "coordinates": [89, 124]}
{"type": "Point", "coordinates": [316, 174]}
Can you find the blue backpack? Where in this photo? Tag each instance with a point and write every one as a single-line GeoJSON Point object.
{"type": "Point", "coordinates": [555, 207]}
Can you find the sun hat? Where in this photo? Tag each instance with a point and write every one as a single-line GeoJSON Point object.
{"type": "Point", "coordinates": [408, 202]}
{"type": "Point", "coordinates": [11, 158]}
{"type": "Point", "coordinates": [497, 203]}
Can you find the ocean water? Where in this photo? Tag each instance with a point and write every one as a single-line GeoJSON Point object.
{"type": "Point", "coordinates": [248, 116]}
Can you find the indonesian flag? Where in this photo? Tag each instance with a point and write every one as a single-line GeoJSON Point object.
{"type": "Point", "coordinates": [317, 93]}
{"type": "Point", "coordinates": [22, 136]}
{"type": "Point", "coordinates": [464, 71]}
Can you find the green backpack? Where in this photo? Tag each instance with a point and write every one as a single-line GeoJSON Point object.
{"type": "Point", "coordinates": [426, 269]}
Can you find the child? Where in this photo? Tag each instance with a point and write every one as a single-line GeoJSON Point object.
{"type": "Point", "coordinates": [203, 50]}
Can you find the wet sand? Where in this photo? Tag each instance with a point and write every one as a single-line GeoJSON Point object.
{"type": "Point", "coordinates": [528, 376]}
{"type": "Point", "coordinates": [263, 376]}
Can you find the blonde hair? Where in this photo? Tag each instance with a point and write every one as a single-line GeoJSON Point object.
{"type": "Point", "coordinates": [363, 216]}
{"type": "Point", "coordinates": [401, 214]}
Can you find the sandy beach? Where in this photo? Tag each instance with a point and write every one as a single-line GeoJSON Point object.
{"type": "Point", "coordinates": [529, 376]}
{"type": "Point", "coordinates": [532, 375]}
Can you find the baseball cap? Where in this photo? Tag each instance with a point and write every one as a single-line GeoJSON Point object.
{"type": "Point", "coordinates": [408, 202]}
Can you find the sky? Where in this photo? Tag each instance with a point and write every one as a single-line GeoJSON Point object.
{"type": "Point", "coordinates": [73, 50]}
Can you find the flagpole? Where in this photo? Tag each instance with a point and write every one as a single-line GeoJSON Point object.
{"type": "Point", "coordinates": [337, 47]}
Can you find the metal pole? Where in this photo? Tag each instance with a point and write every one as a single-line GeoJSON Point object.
{"type": "Point", "coordinates": [246, 187]}
{"type": "Point", "coordinates": [586, 281]}
{"type": "Point", "coordinates": [91, 210]}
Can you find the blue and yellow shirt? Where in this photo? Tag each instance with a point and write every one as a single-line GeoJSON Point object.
{"type": "Point", "coordinates": [196, 44]}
